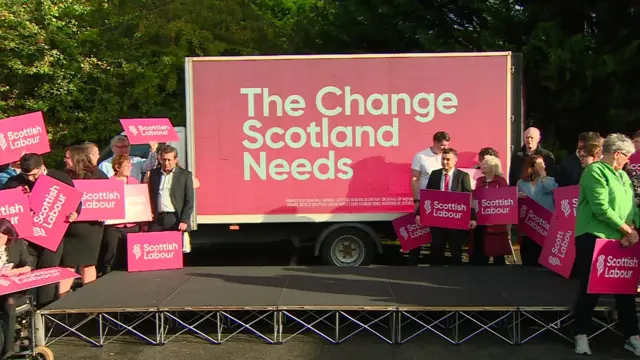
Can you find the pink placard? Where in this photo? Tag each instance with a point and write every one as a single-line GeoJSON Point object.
{"type": "Point", "coordinates": [634, 161]}
{"type": "Point", "coordinates": [445, 209]}
{"type": "Point", "coordinates": [22, 134]}
{"type": "Point", "coordinates": [143, 131]}
{"type": "Point", "coordinates": [51, 201]}
{"type": "Point", "coordinates": [14, 206]}
{"type": "Point", "coordinates": [559, 249]}
{"type": "Point", "coordinates": [154, 251]}
{"type": "Point", "coordinates": [534, 220]}
{"type": "Point", "coordinates": [137, 205]}
{"type": "Point", "coordinates": [34, 279]}
{"type": "Point", "coordinates": [614, 269]}
{"type": "Point", "coordinates": [496, 206]}
{"type": "Point", "coordinates": [475, 174]}
{"type": "Point", "coordinates": [410, 235]}
{"type": "Point", "coordinates": [101, 199]}
{"type": "Point", "coordinates": [566, 200]}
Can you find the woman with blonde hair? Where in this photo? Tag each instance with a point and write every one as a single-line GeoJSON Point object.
{"type": "Point", "coordinates": [113, 253]}
{"type": "Point", "coordinates": [92, 151]}
{"type": "Point", "coordinates": [490, 240]}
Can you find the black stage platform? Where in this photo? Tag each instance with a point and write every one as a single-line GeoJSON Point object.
{"type": "Point", "coordinates": [277, 303]}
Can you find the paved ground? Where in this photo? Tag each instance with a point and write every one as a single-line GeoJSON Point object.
{"type": "Point", "coordinates": [306, 348]}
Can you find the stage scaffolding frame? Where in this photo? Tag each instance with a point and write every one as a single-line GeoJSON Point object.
{"type": "Point", "coordinates": [279, 324]}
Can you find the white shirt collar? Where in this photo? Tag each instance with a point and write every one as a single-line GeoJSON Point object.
{"type": "Point", "coordinates": [170, 172]}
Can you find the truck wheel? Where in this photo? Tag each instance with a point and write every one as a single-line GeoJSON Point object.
{"type": "Point", "coordinates": [347, 247]}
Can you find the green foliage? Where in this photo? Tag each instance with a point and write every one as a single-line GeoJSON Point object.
{"type": "Point", "coordinates": [87, 63]}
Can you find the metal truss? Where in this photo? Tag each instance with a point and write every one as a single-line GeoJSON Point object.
{"type": "Point", "coordinates": [110, 326]}
{"type": "Point", "coordinates": [557, 321]}
{"type": "Point", "coordinates": [446, 323]}
{"type": "Point", "coordinates": [224, 321]}
{"type": "Point", "coordinates": [275, 325]}
{"type": "Point", "coordinates": [336, 326]}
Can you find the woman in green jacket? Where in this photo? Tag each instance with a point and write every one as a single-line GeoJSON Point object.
{"type": "Point", "coordinates": [607, 210]}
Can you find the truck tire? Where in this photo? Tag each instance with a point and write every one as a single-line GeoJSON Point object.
{"type": "Point", "coordinates": [347, 247]}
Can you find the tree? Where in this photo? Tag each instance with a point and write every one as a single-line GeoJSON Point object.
{"type": "Point", "coordinates": [42, 66]}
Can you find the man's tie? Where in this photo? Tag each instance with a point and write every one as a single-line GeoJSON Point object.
{"type": "Point", "coordinates": [446, 182]}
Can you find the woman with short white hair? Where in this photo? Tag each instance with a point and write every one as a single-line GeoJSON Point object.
{"type": "Point", "coordinates": [490, 240]}
{"type": "Point", "coordinates": [606, 210]}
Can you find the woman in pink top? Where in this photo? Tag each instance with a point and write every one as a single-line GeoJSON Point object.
{"type": "Point", "coordinates": [114, 242]}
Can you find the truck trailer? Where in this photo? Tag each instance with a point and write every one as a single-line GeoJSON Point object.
{"type": "Point", "coordinates": [317, 149]}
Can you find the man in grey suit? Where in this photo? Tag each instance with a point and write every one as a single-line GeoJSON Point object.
{"type": "Point", "coordinates": [171, 193]}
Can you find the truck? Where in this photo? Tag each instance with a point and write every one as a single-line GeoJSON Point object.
{"type": "Point", "coordinates": [317, 149]}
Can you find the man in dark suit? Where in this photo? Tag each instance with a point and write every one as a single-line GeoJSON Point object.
{"type": "Point", "coordinates": [171, 194]}
{"type": "Point", "coordinates": [32, 166]}
{"type": "Point", "coordinates": [449, 179]}
{"type": "Point", "coordinates": [570, 171]}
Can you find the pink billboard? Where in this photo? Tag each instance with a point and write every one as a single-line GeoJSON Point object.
{"type": "Point", "coordinates": [34, 279]}
{"type": "Point", "coordinates": [154, 251]}
{"type": "Point", "coordinates": [14, 206]}
{"type": "Point", "coordinates": [534, 220]}
{"type": "Point", "coordinates": [411, 235]}
{"type": "Point", "coordinates": [22, 134]}
{"type": "Point", "coordinates": [101, 199]}
{"type": "Point", "coordinates": [143, 131]}
{"type": "Point", "coordinates": [311, 136]}
{"type": "Point", "coordinates": [445, 209]}
{"type": "Point", "coordinates": [614, 269]}
{"type": "Point", "coordinates": [496, 206]}
{"type": "Point", "coordinates": [51, 201]}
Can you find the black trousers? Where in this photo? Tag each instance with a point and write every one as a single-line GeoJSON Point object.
{"type": "Point", "coordinates": [8, 318]}
{"type": "Point", "coordinates": [585, 303]}
{"type": "Point", "coordinates": [45, 258]}
{"type": "Point", "coordinates": [529, 251]}
{"type": "Point", "coordinates": [478, 257]}
{"type": "Point", "coordinates": [414, 256]}
{"type": "Point", "coordinates": [440, 238]}
{"type": "Point", "coordinates": [114, 247]}
{"type": "Point", "coordinates": [167, 221]}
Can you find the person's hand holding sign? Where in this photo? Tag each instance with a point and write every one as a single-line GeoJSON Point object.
{"type": "Point", "coordinates": [71, 217]}
{"type": "Point", "coordinates": [631, 238]}
{"type": "Point", "coordinates": [182, 226]}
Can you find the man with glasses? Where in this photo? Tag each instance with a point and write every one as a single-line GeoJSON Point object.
{"type": "Point", "coordinates": [33, 167]}
{"type": "Point", "coordinates": [120, 146]}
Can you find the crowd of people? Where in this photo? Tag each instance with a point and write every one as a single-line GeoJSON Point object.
{"type": "Point", "coordinates": [607, 208]}
{"type": "Point", "coordinates": [91, 247]}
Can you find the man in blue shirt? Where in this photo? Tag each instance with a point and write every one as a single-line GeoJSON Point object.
{"type": "Point", "coordinates": [120, 146]}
